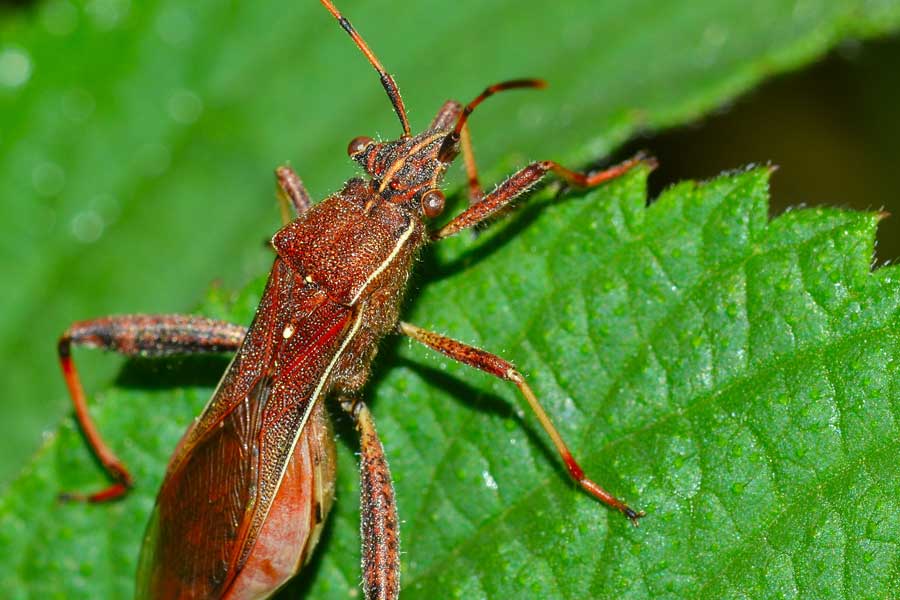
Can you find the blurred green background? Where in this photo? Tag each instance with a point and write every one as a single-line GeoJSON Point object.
{"type": "Point", "coordinates": [137, 139]}
{"type": "Point", "coordinates": [832, 129]}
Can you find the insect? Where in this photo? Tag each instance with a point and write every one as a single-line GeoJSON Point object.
{"type": "Point", "coordinates": [250, 484]}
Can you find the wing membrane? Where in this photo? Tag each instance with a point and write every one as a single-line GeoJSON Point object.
{"type": "Point", "coordinates": [227, 470]}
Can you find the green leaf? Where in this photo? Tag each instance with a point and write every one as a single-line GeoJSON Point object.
{"type": "Point", "coordinates": [137, 138]}
{"type": "Point", "coordinates": [733, 377]}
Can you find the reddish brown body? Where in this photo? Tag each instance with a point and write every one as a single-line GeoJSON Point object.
{"type": "Point", "coordinates": [323, 308]}
{"type": "Point", "coordinates": [251, 482]}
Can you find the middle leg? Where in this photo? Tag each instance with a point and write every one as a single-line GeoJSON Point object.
{"type": "Point", "coordinates": [134, 335]}
{"type": "Point", "coordinates": [496, 366]}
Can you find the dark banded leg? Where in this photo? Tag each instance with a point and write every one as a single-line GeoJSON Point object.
{"type": "Point", "coordinates": [379, 525]}
{"type": "Point", "coordinates": [135, 335]}
{"type": "Point", "coordinates": [522, 181]}
{"type": "Point", "coordinates": [291, 191]}
{"type": "Point", "coordinates": [496, 366]}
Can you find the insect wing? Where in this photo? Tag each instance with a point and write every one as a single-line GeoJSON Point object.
{"type": "Point", "coordinates": [222, 480]}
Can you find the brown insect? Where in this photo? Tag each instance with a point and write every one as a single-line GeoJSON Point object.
{"type": "Point", "coordinates": [249, 486]}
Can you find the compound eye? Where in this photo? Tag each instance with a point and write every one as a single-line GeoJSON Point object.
{"type": "Point", "coordinates": [359, 144]}
{"type": "Point", "coordinates": [433, 203]}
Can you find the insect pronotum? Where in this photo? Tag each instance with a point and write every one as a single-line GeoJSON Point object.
{"type": "Point", "coordinates": [249, 486]}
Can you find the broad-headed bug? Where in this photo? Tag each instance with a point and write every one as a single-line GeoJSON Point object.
{"type": "Point", "coordinates": [248, 488]}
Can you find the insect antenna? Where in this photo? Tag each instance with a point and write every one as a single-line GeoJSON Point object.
{"type": "Point", "coordinates": [449, 147]}
{"type": "Point", "coordinates": [390, 86]}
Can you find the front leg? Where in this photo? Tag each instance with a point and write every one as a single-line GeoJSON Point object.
{"type": "Point", "coordinates": [135, 335]}
{"type": "Point", "coordinates": [379, 525]}
{"type": "Point", "coordinates": [519, 183]}
{"type": "Point", "coordinates": [291, 191]}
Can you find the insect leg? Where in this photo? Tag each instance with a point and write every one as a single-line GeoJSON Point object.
{"type": "Point", "coordinates": [522, 181]}
{"type": "Point", "coordinates": [291, 191]}
{"type": "Point", "coordinates": [476, 193]}
{"type": "Point", "coordinates": [445, 119]}
{"type": "Point", "coordinates": [378, 510]}
{"type": "Point", "coordinates": [134, 335]}
{"type": "Point", "coordinates": [496, 366]}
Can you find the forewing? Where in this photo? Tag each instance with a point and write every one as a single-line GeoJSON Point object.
{"type": "Point", "coordinates": [223, 478]}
